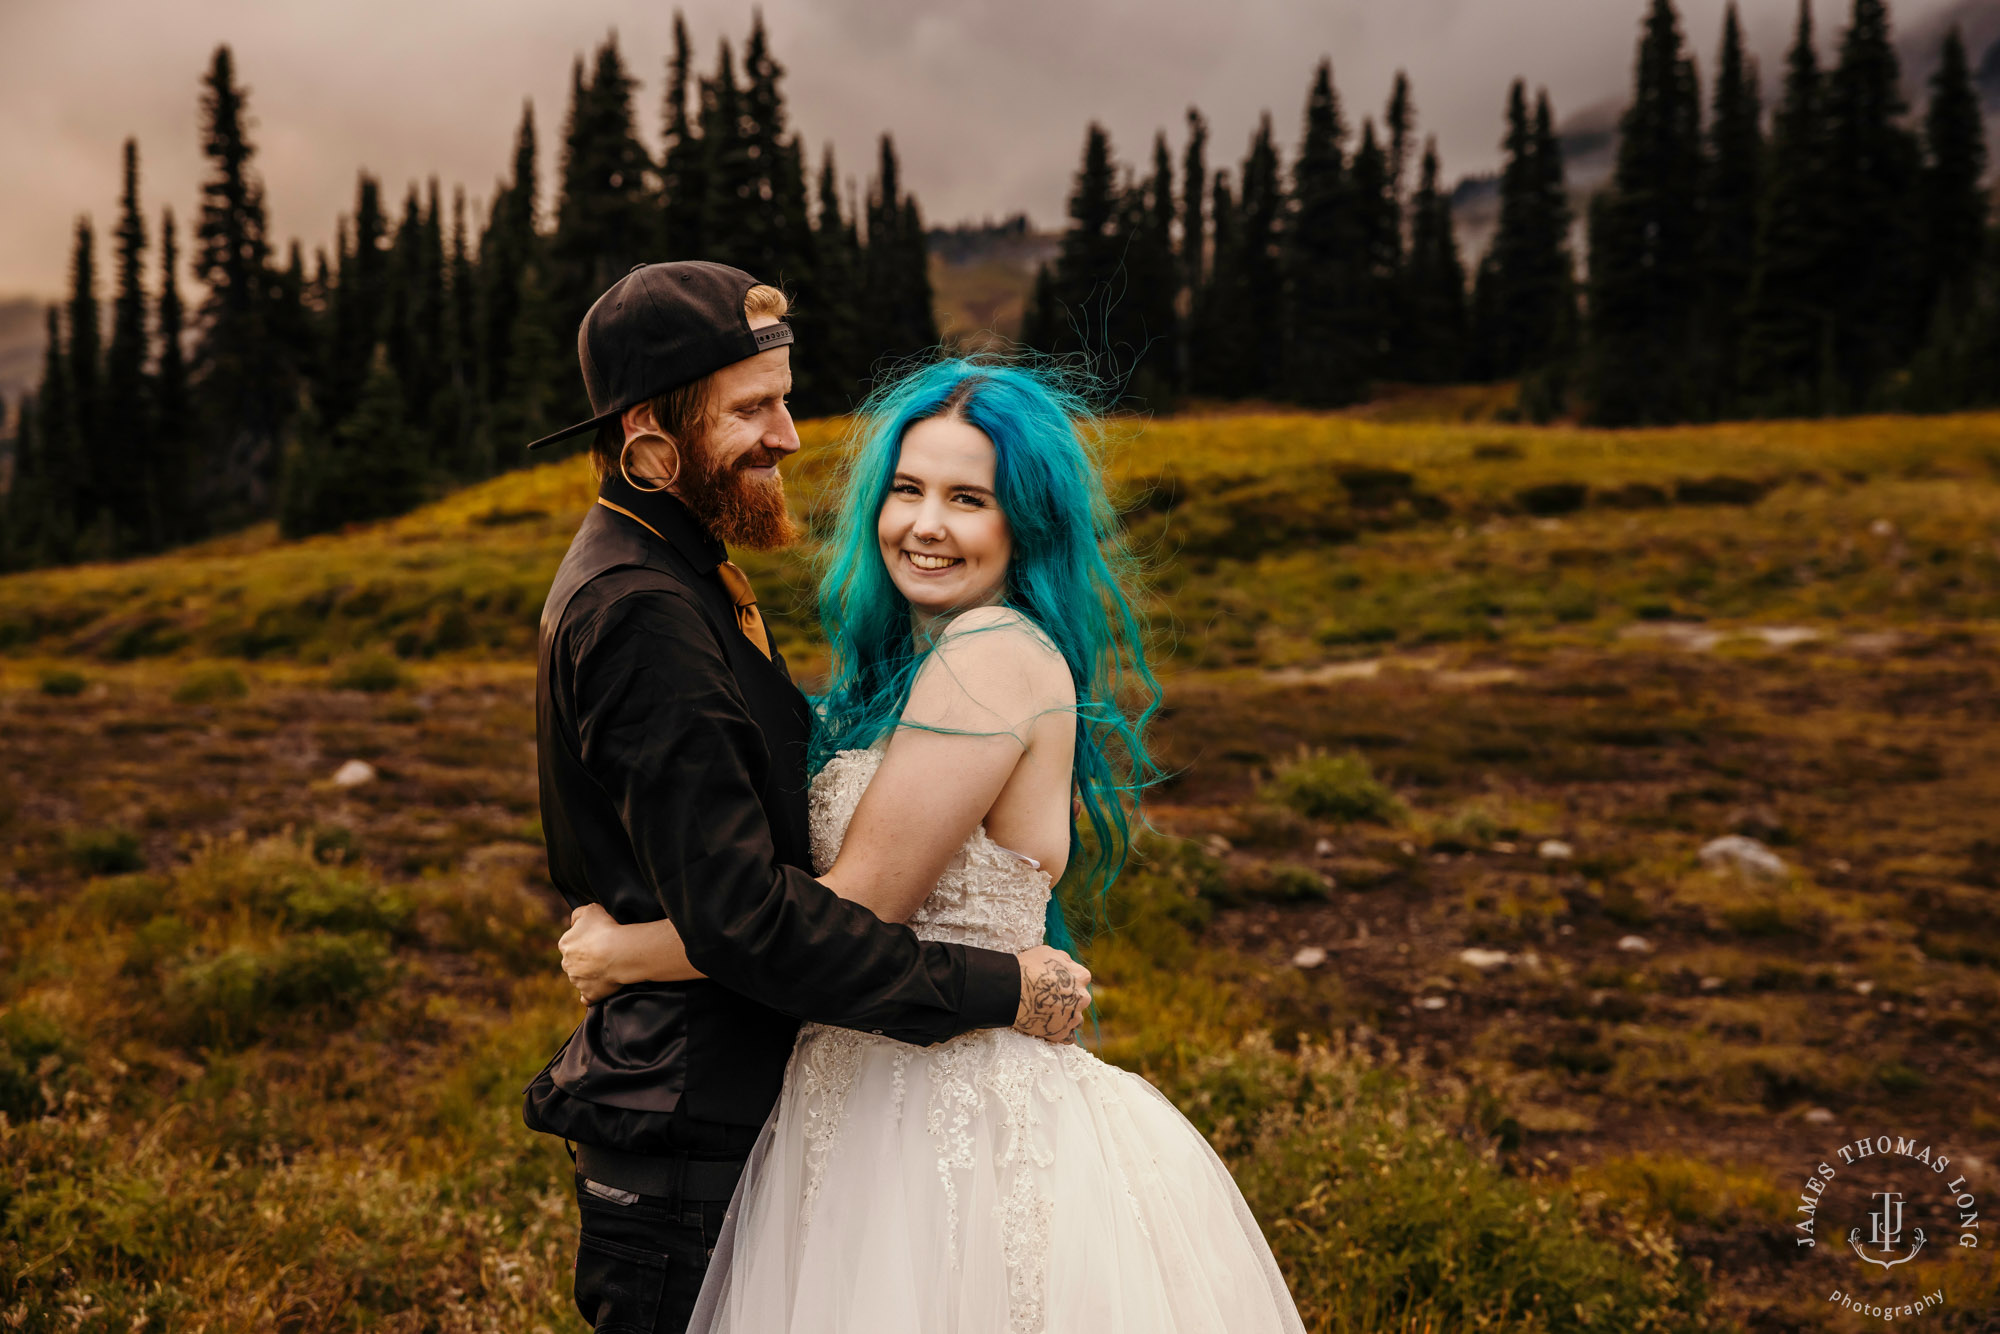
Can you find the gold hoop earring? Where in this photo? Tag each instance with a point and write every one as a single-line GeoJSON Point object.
{"type": "Point", "coordinates": [666, 485]}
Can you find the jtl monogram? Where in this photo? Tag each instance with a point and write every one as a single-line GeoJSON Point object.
{"type": "Point", "coordinates": [1885, 1230]}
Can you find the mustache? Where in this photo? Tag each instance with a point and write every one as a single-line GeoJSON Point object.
{"type": "Point", "coordinates": [759, 458]}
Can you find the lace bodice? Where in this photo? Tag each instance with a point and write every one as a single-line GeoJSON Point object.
{"type": "Point", "coordinates": [987, 896]}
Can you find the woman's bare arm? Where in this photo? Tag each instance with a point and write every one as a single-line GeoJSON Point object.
{"type": "Point", "coordinates": [966, 727]}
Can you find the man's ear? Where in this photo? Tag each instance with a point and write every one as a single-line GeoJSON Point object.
{"type": "Point", "coordinates": [639, 420]}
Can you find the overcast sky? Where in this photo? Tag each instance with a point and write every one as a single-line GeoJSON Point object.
{"type": "Point", "coordinates": [987, 99]}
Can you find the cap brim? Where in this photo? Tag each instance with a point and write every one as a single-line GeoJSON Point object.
{"type": "Point", "coordinates": [568, 431]}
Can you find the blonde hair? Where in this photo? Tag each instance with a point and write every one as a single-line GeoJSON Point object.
{"type": "Point", "coordinates": [682, 411]}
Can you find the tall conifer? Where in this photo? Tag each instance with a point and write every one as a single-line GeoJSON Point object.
{"type": "Point", "coordinates": [1193, 239]}
{"type": "Point", "coordinates": [1732, 188]}
{"type": "Point", "coordinates": [128, 430]}
{"type": "Point", "coordinates": [1954, 207]}
{"type": "Point", "coordinates": [1086, 280]}
{"type": "Point", "coordinates": [170, 462]}
{"type": "Point", "coordinates": [897, 318]}
{"type": "Point", "coordinates": [683, 188]}
{"type": "Point", "coordinates": [84, 363]}
{"type": "Point", "coordinates": [1788, 361]}
{"type": "Point", "coordinates": [1434, 283]}
{"type": "Point", "coordinates": [1873, 174]}
{"type": "Point", "coordinates": [1324, 358]}
{"type": "Point", "coordinates": [1645, 243]}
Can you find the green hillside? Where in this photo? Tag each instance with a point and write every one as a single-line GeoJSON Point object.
{"type": "Point", "coordinates": [1422, 936]}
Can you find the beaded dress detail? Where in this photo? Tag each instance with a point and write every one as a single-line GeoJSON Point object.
{"type": "Point", "coordinates": [992, 1183]}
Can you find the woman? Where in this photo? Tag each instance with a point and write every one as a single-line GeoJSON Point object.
{"type": "Point", "coordinates": [981, 638]}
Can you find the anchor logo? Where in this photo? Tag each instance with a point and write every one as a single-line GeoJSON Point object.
{"type": "Point", "coordinates": [1885, 1230]}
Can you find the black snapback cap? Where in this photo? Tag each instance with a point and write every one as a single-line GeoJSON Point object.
{"type": "Point", "coordinates": [662, 326]}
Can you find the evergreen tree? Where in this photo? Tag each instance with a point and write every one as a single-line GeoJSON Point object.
{"type": "Point", "coordinates": [361, 305]}
{"type": "Point", "coordinates": [370, 467]}
{"type": "Point", "coordinates": [509, 247]}
{"type": "Point", "coordinates": [1325, 360]}
{"type": "Point", "coordinates": [1731, 190]}
{"type": "Point", "coordinates": [1373, 315]}
{"type": "Point", "coordinates": [1788, 334]}
{"type": "Point", "coordinates": [1526, 298]}
{"type": "Point", "coordinates": [1645, 243]}
{"type": "Point", "coordinates": [1194, 237]}
{"type": "Point", "coordinates": [88, 419]}
{"type": "Point", "coordinates": [1434, 284]}
{"type": "Point", "coordinates": [683, 184]}
{"type": "Point", "coordinates": [50, 535]}
{"type": "Point", "coordinates": [170, 461]}
{"type": "Point", "coordinates": [1259, 265]}
{"type": "Point", "coordinates": [828, 316]}
{"type": "Point", "coordinates": [606, 220]}
{"type": "Point", "coordinates": [1400, 119]}
{"type": "Point", "coordinates": [1874, 165]}
{"type": "Point", "coordinates": [1216, 305]}
{"type": "Point", "coordinates": [897, 318]}
{"type": "Point", "coordinates": [469, 455]}
{"type": "Point", "coordinates": [1085, 280]}
{"type": "Point", "coordinates": [236, 375]}
{"type": "Point", "coordinates": [1142, 324]}
{"type": "Point", "coordinates": [730, 171]}
{"type": "Point", "coordinates": [22, 503]}
{"type": "Point", "coordinates": [1954, 206]}
{"type": "Point", "coordinates": [127, 435]}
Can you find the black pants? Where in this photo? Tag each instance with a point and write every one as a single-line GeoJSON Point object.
{"type": "Point", "coordinates": [641, 1258]}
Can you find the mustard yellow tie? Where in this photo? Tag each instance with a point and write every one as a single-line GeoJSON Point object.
{"type": "Point", "coordinates": [734, 581]}
{"type": "Point", "coordinates": [748, 620]}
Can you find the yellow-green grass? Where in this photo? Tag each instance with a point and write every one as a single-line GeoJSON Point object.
{"type": "Point", "coordinates": [1269, 539]}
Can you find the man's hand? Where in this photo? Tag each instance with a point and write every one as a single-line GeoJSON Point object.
{"type": "Point", "coordinates": [1055, 992]}
{"type": "Point", "coordinates": [585, 953]}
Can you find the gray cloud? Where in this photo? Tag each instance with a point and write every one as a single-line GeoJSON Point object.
{"type": "Point", "coordinates": [987, 98]}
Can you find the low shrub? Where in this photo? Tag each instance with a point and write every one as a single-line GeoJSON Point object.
{"type": "Point", "coordinates": [234, 997]}
{"type": "Point", "coordinates": [104, 851]}
{"type": "Point", "coordinates": [374, 673]}
{"type": "Point", "coordinates": [1340, 787]}
{"type": "Point", "coordinates": [63, 683]}
{"type": "Point", "coordinates": [211, 685]}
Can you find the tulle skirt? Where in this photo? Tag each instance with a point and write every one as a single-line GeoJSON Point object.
{"type": "Point", "coordinates": [991, 1183]}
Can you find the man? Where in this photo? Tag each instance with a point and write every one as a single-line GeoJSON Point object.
{"type": "Point", "coordinates": [671, 745]}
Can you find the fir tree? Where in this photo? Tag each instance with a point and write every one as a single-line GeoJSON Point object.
{"type": "Point", "coordinates": [370, 467]}
{"type": "Point", "coordinates": [170, 461]}
{"type": "Point", "coordinates": [470, 457]}
{"type": "Point", "coordinates": [1732, 188]}
{"type": "Point", "coordinates": [21, 504]}
{"type": "Point", "coordinates": [828, 316]}
{"type": "Point", "coordinates": [236, 373]}
{"type": "Point", "coordinates": [127, 436]}
{"type": "Point", "coordinates": [1400, 119]}
{"type": "Point", "coordinates": [1954, 206]}
{"type": "Point", "coordinates": [897, 318]}
{"type": "Point", "coordinates": [1374, 313]}
{"type": "Point", "coordinates": [1873, 174]}
{"type": "Point", "coordinates": [510, 245]}
{"type": "Point", "coordinates": [1142, 324]}
{"type": "Point", "coordinates": [1085, 280]}
{"type": "Point", "coordinates": [49, 535]}
{"type": "Point", "coordinates": [1194, 237]}
{"type": "Point", "coordinates": [1212, 364]}
{"type": "Point", "coordinates": [1434, 283]}
{"type": "Point", "coordinates": [730, 171]}
{"type": "Point", "coordinates": [1259, 265]}
{"type": "Point", "coordinates": [1325, 361]}
{"type": "Point", "coordinates": [606, 221]}
{"type": "Point", "coordinates": [1645, 243]}
{"type": "Point", "coordinates": [360, 315]}
{"type": "Point", "coordinates": [1526, 297]}
{"type": "Point", "coordinates": [683, 183]}
{"type": "Point", "coordinates": [88, 423]}
{"type": "Point", "coordinates": [1788, 334]}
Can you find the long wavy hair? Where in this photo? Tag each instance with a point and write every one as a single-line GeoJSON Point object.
{"type": "Point", "coordinates": [1070, 575]}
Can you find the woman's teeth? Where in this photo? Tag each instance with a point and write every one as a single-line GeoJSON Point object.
{"type": "Point", "coordinates": [924, 562]}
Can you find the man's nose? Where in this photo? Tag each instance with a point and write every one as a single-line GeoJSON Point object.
{"type": "Point", "coordinates": [784, 437]}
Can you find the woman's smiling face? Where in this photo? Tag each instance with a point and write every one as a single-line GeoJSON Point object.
{"type": "Point", "coordinates": [942, 535]}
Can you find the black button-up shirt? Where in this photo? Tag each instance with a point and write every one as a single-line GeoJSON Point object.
{"type": "Point", "coordinates": [672, 763]}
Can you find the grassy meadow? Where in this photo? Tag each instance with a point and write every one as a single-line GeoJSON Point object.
{"type": "Point", "coordinates": [1419, 937]}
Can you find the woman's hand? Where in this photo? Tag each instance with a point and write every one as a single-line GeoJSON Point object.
{"type": "Point", "coordinates": [588, 953]}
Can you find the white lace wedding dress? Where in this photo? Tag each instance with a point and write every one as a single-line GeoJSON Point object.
{"type": "Point", "coordinates": [994, 1182]}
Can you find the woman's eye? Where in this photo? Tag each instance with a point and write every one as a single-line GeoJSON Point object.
{"type": "Point", "coordinates": [971, 499]}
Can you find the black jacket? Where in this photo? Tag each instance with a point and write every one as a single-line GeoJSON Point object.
{"type": "Point", "coordinates": [672, 758]}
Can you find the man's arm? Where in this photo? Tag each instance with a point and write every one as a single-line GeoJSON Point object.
{"type": "Point", "coordinates": [664, 732]}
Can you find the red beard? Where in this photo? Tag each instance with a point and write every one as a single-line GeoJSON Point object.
{"type": "Point", "coordinates": [742, 510]}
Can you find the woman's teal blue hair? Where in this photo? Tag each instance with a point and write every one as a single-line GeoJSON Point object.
{"type": "Point", "coordinates": [1069, 574]}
